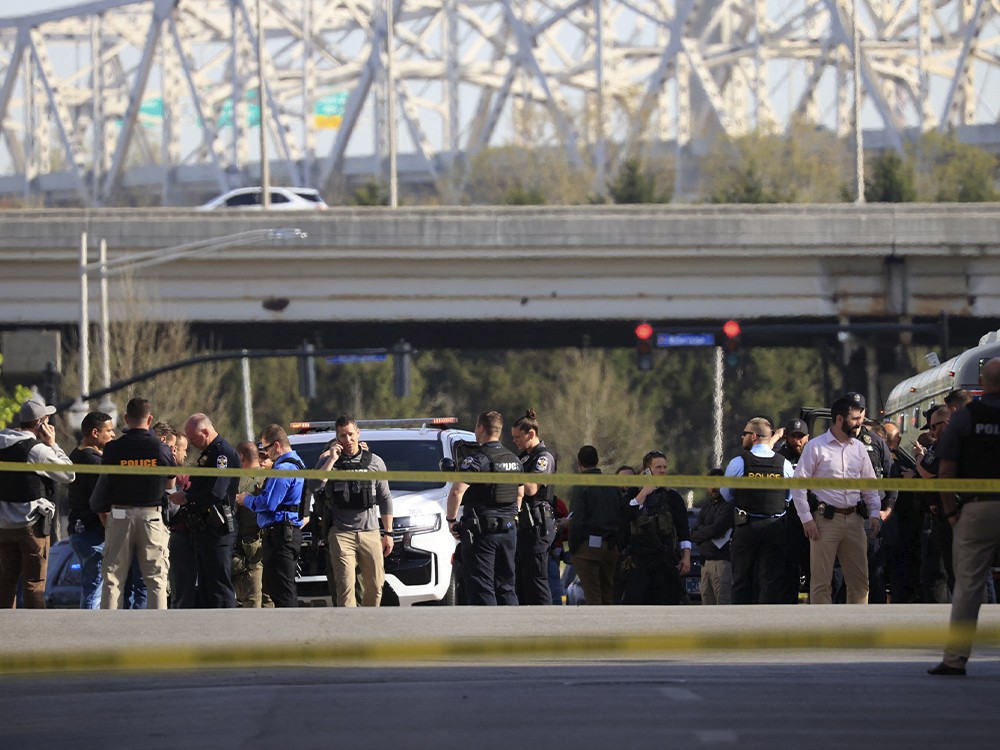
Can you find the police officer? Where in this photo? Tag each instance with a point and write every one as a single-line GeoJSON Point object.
{"type": "Point", "coordinates": [351, 511]}
{"type": "Point", "coordinates": [209, 513]}
{"type": "Point", "coordinates": [970, 449]}
{"type": "Point", "coordinates": [758, 546]}
{"type": "Point", "coordinates": [536, 519]}
{"type": "Point", "coordinates": [26, 507]}
{"type": "Point", "coordinates": [658, 528]}
{"type": "Point", "coordinates": [277, 507]}
{"type": "Point", "coordinates": [796, 435]}
{"type": "Point", "coordinates": [488, 518]}
{"type": "Point", "coordinates": [134, 503]}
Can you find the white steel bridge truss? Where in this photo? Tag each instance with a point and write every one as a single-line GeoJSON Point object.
{"type": "Point", "coordinates": [139, 92]}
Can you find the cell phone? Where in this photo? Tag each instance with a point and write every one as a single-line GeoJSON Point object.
{"type": "Point", "coordinates": [647, 472]}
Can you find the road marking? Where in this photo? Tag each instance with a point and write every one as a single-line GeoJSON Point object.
{"type": "Point", "coordinates": [712, 736]}
{"type": "Point", "coordinates": [680, 694]}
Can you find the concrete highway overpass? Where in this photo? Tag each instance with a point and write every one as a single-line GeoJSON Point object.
{"type": "Point", "coordinates": [537, 276]}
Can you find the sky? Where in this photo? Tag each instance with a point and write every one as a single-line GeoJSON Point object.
{"type": "Point", "coordinates": [27, 7]}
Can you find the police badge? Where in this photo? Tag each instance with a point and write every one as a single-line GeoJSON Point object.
{"type": "Point", "coordinates": [221, 462]}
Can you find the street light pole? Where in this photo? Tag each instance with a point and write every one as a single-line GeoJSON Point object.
{"type": "Point", "coordinates": [859, 146]}
{"type": "Point", "coordinates": [107, 268]}
{"type": "Point", "coordinates": [84, 322]}
{"type": "Point", "coordinates": [265, 167]}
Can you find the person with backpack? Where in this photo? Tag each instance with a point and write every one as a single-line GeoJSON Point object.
{"type": "Point", "coordinates": [277, 506]}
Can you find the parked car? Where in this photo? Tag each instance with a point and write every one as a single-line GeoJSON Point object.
{"type": "Point", "coordinates": [282, 199]}
{"type": "Point", "coordinates": [421, 568]}
{"type": "Point", "coordinates": [62, 584]}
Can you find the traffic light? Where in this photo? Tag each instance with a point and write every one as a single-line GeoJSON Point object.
{"type": "Point", "coordinates": [644, 346]}
{"type": "Point", "coordinates": [733, 355]}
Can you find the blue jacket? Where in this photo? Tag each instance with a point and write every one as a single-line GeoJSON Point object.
{"type": "Point", "coordinates": [279, 498]}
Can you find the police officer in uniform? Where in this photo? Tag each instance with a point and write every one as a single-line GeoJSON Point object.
{"type": "Point", "coordinates": [489, 511]}
{"type": "Point", "coordinates": [209, 513]}
{"type": "Point", "coordinates": [796, 435]}
{"type": "Point", "coordinates": [536, 519]}
{"type": "Point", "coordinates": [758, 547]}
{"type": "Point", "coordinates": [134, 504]}
{"type": "Point", "coordinates": [970, 449]}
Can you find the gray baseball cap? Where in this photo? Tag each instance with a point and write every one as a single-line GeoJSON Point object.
{"type": "Point", "coordinates": [34, 409]}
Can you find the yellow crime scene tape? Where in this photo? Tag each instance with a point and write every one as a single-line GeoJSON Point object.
{"type": "Point", "coordinates": [598, 480]}
{"type": "Point", "coordinates": [177, 658]}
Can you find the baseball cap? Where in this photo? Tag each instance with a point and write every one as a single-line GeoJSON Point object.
{"type": "Point", "coordinates": [796, 427]}
{"type": "Point", "coordinates": [857, 398]}
{"type": "Point", "coordinates": [34, 409]}
{"type": "Point", "coordinates": [927, 416]}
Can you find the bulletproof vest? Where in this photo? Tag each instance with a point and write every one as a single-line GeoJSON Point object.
{"type": "Point", "coordinates": [653, 526]}
{"type": "Point", "coordinates": [871, 444]}
{"type": "Point", "coordinates": [135, 449]}
{"type": "Point", "coordinates": [502, 461]}
{"type": "Point", "coordinates": [352, 494]}
{"type": "Point", "coordinates": [18, 486]}
{"type": "Point", "coordinates": [762, 502]}
{"type": "Point", "coordinates": [546, 492]}
{"type": "Point", "coordinates": [980, 449]}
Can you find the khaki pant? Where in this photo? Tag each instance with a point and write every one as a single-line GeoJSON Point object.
{"type": "Point", "coordinates": [716, 582]}
{"type": "Point", "coordinates": [976, 540]}
{"type": "Point", "coordinates": [24, 556]}
{"type": "Point", "coordinates": [595, 567]}
{"type": "Point", "coordinates": [140, 532]}
{"type": "Point", "coordinates": [361, 549]}
{"type": "Point", "coordinates": [843, 537]}
{"type": "Point", "coordinates": [248, 573]}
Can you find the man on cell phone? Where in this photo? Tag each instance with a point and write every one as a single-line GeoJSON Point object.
{"type": "Point", "coordinates": [26, 507]}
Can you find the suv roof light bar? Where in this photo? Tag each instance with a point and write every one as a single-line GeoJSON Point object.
{"type": "Point", "coordinates": [437, 422]}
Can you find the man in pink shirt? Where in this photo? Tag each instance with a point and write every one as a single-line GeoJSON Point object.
{"type": "Point", "coordinates": [836, 522]}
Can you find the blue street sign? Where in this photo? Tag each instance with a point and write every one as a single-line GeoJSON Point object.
{"type": "Point", "coordinates": [685, 339]}
{"type": "Point", "coordinates": [351, 359]}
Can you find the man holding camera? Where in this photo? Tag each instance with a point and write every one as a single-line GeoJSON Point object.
{"type": "Point", "coordinates": [26, 507]}
{"type": "Point", "coordinates": [836, 525]}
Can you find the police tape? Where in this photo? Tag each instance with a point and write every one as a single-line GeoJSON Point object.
{"type": "Point", "coordinates": [969, 486]}
{"type": "Point", "coordinates": [374, 652]}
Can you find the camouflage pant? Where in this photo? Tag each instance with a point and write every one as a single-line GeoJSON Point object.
{"type": "Point", "coordinates": [248, 572]}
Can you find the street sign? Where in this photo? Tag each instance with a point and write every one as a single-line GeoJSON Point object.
{"type": "Point", "coordinates": [351, 359]}
{"type": "Point", "coordinates": [685, 339]}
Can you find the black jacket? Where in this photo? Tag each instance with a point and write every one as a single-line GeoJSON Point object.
{"type": "Point", "coordinates": [714, 518]}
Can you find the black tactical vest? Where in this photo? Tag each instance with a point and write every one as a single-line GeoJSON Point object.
{"type": "Point", "coordinates": [980, 449]}
{"type": "Point", "coordinates": [762, 502]}
{"type": "Point", "coordinates": [18, 486]}
{"type": "Point", "coordinates": [352, 494]}
{"type": "Point", "coordinates": [502, 461]}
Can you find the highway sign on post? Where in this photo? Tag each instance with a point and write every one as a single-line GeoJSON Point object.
{"type": "Point", "coordinates": [685, 339]}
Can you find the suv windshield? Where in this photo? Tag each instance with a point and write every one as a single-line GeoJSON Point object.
{"type": "Point", "coordinates": [399, 455]}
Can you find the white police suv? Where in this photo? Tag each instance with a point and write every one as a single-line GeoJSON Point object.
{"type": "Point", "coordinates": [420, 569]}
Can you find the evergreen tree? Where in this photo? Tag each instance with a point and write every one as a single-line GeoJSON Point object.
{"type": "Point", "coordinates": [891, 179]}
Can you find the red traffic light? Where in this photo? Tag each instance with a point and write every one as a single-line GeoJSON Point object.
{"type": "Point", "coordinates": [644, 331]}
{"type": "Point", "coordinates": [731, 328]}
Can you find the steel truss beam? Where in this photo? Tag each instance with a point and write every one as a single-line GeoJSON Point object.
{"type": "Point", "coordinates": [121, 93]}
